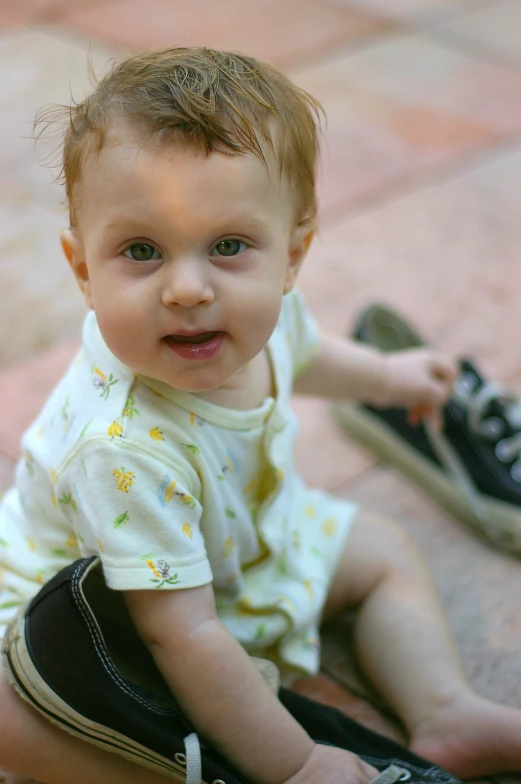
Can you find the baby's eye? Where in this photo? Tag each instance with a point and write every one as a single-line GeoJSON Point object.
{"type": "Point", "coordinates": [141, 251]}
{"type": "Point", "coordinates": [228, 248]}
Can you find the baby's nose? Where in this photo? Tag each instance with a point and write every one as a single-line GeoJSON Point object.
{"type": "Point", "coordinates": [188, 284]}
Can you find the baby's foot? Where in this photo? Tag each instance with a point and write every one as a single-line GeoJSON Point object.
{"type": "Point", "coordinates": [471, 737]}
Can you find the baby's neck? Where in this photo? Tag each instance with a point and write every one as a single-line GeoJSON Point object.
{"type": "Point", "coordinates": [247, 389]}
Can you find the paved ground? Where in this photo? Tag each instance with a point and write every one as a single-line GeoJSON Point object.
{"type": "Point", "coordinates": [420, 208]}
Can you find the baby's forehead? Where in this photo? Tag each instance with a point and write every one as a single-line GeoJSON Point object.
{"type": "Point", "coordinates": [126, 148]}
{"type": "Point", "coordinates": [131, 163]}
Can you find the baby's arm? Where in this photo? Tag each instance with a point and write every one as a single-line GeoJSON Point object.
{"type": "Point", "coordinates": [225, 697]}
{"type": "Point", "coordinates": [419, 378]}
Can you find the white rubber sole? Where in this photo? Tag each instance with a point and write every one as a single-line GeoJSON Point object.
{"type": "Point", "coordinates": [501, 521]}
{"type": "Point", "coordinates": [23, 675]}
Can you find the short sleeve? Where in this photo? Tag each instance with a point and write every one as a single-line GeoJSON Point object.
{"type": "Point", "coordinates": [302, 331]}
{"type": "Point", "coordinates": [138, 514]}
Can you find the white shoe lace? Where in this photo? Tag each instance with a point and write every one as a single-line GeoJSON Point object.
{"type": "Point", "coordinates": [508, 449]}
{"type": "Point", "coordinates": [391, 774]}
{"type": "Point", "coordinates": [191, 759]}
{"type": "Point", "coordinates": [194, 768]}
{"type": "Point", "coordinates": [477, 402]}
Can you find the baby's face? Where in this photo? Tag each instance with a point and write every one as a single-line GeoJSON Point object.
{"type": "Point", "coordinates": [184, 258]}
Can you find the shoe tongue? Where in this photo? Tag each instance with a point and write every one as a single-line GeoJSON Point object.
{"type": "Point", "coordinates": [383, 329]}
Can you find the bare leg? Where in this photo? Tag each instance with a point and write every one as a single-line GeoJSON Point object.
{"type": "Point", "coordinates": [405, 647]}
{"type": "Point", "coordinates": [31, 746]}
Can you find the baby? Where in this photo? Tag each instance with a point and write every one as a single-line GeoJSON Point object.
{"type": "Point", "coordinates": [167, 448]}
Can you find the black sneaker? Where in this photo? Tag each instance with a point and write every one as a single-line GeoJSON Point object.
{"type": "Point", "coordinates": [472, 467]}
{"type": "Point", "coordinates": [74, 655]}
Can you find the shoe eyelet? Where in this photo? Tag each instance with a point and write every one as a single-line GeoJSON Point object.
{"type": "Point", "coordinates": [503, 451]}
{"type": "Point", "coordinates": [492, 428]}
{"type": "Point", "coordinates": [405, 776]}
{"type": "Point", "coordinates": [180, 758]}
{"type": "Point", "coordinates": [464, 384]}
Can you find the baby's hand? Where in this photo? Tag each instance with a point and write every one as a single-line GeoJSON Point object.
{"type": "Point", "coordinates": [334, 766]}
{"type": "Point", "coordinates": [418, 379]}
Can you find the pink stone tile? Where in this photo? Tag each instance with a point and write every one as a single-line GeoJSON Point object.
{"type": "Point", "coordinates": [324, 457]}
{"type": "Point", "coordinates": [493, 32]}
{"type": "Point", "coordinates": [28, 11]}
{"type": "Point", "coordinates": [7, 465]}
{"type": "Point", "coordinates": [39, 69]}
{"type": "Point", "coordinates": [447, 264]}
{"type": "Point", "coordinates": [417, 10]}
{"type": "Point", "coordinates": [494, 184]}
{"type": "Point", "coordinates": [22, 12]}
{"type": "Point", "coordinates": [404, 108]}
{"type": "Point", "coordinates": [275, 31]}
{"type": "Point", "coordinates": [24, 389]}
{"type": "Point", "coordinates": [479, 585]}
{"type": "Point", "coordinates": [40, 303]}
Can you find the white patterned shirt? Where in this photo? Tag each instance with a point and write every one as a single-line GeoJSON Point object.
{"type": "Point", "coordinates": [173, 492]}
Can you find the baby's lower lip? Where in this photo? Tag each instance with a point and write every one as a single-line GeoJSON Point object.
{"type": "Point", "coordinates": [202, 346]}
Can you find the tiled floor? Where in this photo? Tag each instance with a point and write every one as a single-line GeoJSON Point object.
{"type": "Point", "coordinates": [420, 207]}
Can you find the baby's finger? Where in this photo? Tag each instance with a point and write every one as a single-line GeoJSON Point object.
{"type": "Point", "coordinates": [443, 369]}
{"type": "Point", "coordinates": [416, 414]}
{"type": "Point", "coordinates": [432, 413]}
{"type": "Point", "coordinates": [436, 419]}
{"type": "Point", "coordinates": [369, 771]}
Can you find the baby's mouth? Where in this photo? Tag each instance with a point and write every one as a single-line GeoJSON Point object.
{"type": "Point", "coordinates": [203, 345]}
{"type": "Point", "coordinates": [201, 337]}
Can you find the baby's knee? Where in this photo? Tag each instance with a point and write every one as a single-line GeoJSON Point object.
{"type": "Point", "coordinates": [377, 549]}
{"type": "Point", "coordinates": [405, 564]}
{"type": "Point", "coordinates": [392, 550]}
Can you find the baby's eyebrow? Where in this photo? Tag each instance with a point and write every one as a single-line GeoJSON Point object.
{"type": "Point", "coordinates": [118, 222]}
{"type": "Point", "coordinates": [241, 223]}
{"type": "Point", "coordinates": [248, 220]}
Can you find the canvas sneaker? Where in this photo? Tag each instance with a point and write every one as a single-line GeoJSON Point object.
{"type": "Point", "coordinates": [472, 466]}
{"type": "Point", "coordinates": [75, 656]}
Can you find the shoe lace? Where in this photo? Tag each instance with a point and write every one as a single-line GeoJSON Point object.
{"type": "Point", "coordinates": [194, 768]}
{"type": "Point", "coordinates": [477, 401]}
{"type": "Point", "coordinates": [391, 775]}
{"type": "Point", "coordinates": [489, 425]}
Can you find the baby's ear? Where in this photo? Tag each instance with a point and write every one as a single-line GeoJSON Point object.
{"type": "Point", "coordinates": [299, 246]}
{"type": "Point", "coordinates": [73, 250]}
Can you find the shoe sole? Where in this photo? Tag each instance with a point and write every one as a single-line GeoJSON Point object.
{"type": "Point", "coordinates": [25, 678]}
{"type": "Point", "coordinates": [503, 524]}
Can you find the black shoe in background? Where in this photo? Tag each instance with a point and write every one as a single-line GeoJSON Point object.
{"type": "Point", "coordinates": [472, 467]}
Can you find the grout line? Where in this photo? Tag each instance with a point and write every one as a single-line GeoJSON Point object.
{"type": "Point", "coordinates": [398, 30]}
{"type": "Point", "coordinates": [7, 456]}
{"type": "Point", "coordinates": [463, 11]}
{"type": "Point", "coordinates": [318, 56]}
{"type": "Point", "coordinates": [474, 49]}
{"type": "Point", "coordinates": [386, 27]}
{"type": "Point", "coordinates": [353, 207]}
{"type": "Point", "coordinates": [326, 52]}
{"type": "Point", "coordinates": [430, 19]}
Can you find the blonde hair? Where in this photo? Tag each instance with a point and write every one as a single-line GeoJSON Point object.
{"type": "Point", "coordinates": [203, 98]}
